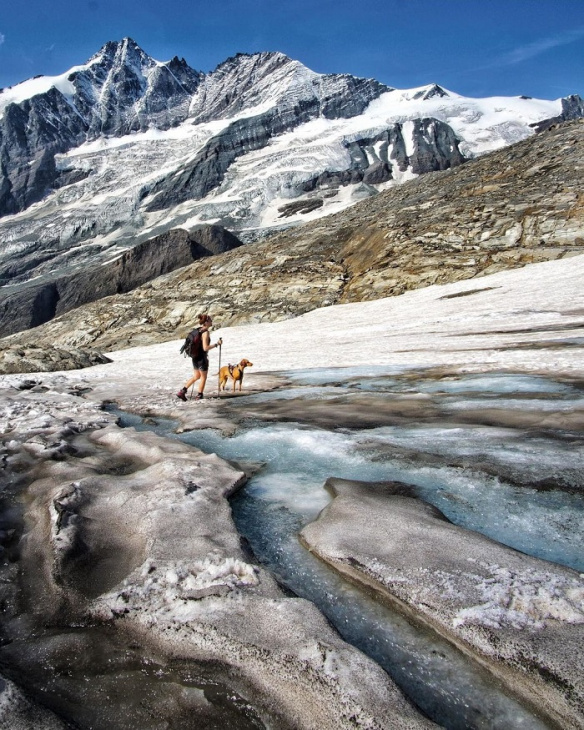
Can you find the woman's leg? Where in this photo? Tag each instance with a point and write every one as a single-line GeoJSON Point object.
{"type": "Point", "coordinates": [197, 374]}
{"type": "Point", "coordinates": [203, 376]}
{"type": "Point", "coordinates": [200, 373]}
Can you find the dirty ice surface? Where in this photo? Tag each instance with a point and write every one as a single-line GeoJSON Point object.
{"type": "Point", "coordinates": [455, 475]}
{"type": "Point", "coordinates": [494, 438]}
{"type": "Point", "coordinates": [271, 510]}
{"type": "Point", "coordinates": [445, 685]}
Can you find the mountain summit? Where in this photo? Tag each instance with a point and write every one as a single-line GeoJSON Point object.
{"type": "Point", "coordinates": [118, 91]}
{"type": "Point", "coordinates": [125, 148]}
{"type": "Point", "coordinates": [122, 90]}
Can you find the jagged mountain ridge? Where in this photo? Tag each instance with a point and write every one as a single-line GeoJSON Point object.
{"type": "Point", "coordinates": [515, 206]}
{"type": "Point", "coordinates": [132, 147]}
{"type": "Point", "coordinates": [118, 91]}
{"type": "Point", "coordinates": [97, 204]}
{"type": "Point", "coordinates": [121, 90]}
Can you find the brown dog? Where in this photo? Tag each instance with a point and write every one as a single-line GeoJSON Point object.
{"type": "Point", "coordinates": [235, 372]}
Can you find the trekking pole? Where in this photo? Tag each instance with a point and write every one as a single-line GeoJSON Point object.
{"type": "Point", "coordinates": [219, 374]}
{"type": "Point", "coordinates": [192, 391]}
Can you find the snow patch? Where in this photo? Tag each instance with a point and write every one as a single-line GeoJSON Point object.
{"type": "Point", "coordinates": [529, 600]}
{"type": "Point", "coordinates": [170, 589]}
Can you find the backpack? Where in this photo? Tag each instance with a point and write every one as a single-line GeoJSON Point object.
{"type": "Point", "coordinates": [193, 344]}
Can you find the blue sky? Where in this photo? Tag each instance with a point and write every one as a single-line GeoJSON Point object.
{"type": "Point", "coordinates": [474, 47]}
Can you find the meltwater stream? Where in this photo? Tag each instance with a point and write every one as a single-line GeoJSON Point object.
{"type": "Point", "coordinates": [476, 474]}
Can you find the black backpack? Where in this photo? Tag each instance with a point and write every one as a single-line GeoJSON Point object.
{"type": "Point", "coordinates": [193, 344]}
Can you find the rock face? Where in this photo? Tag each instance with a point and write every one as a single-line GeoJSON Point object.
{"type": "Point", "coordinates": [518, 205]}
{"type": "Point", "coordinates": [335, 96]}
{"type": "Point", "coordinates": [471, 589]}
{"type": "Point", "coordinates": [122, 91]}
{"type": "Point", "coordinates": [249, 81]}
{"type": "Point", "coordinates": [572, 108]}
{"type": "Point", "coordinates": [36, 304]}
{"type": "Point", "coordinates": [118, 91]}
{"type": "Point", "coordinates": [435, 147]}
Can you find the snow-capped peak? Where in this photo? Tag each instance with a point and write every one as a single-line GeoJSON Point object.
{"type": "Point", "coordinates": [431, 91]}
{"type": "Point", "coordinates": [37, 85]}
{"type": "Point", "coordinates": [117, 49]}
{"type": "Point", "coordinates": [145, 145]}
{"type": "Point", "coordinates": [424, 93]}
{"type": "Point", "coordinates": [42, 84]}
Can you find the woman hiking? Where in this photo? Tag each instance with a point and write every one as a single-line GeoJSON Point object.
{"type": "Point", "coordinates": [200, 344]}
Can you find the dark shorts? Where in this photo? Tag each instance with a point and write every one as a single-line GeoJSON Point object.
{"type": "Point", "coordinates": [201, 363]}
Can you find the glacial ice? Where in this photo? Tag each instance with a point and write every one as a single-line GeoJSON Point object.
{"type": "Point", "coordinates": [520, 614]}
{"type": "Point", "coordinates": [440, 681]}
{"type": "Point", "coordinates": [287, 493]}
{"type": "Point", "coordinates": [479, 475]}
{"type": "Point", "coordinates": [505, 504]}
{"type": "Point", "coordinates": [195, 603]}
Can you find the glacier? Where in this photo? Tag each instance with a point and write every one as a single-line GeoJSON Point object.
{"type": "Point", "coordinates": [260, 144]}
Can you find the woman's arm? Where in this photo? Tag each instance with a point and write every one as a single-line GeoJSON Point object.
{"type": "Point", "coordinates": [207, 342]}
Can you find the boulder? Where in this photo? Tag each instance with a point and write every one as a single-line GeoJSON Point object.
{"type": "Point", "coordinates": [36, 358]}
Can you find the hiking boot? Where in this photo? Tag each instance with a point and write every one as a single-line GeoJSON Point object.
{"type": "Point", "coordinates": [199, 396]}
{"type": "Point", "coordinates": [182, 394]}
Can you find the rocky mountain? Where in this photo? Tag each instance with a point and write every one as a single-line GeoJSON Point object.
{"type": "Point", "coordinates": [125, 148]}
{"type": "Point", "coordinates": [118, 91]}
{"type": "Point", "coordinates": [36, 303]}
{"type": "Point", "coordinates": [572, 108]}
{"type": "Point", "coordinates": [121, 90]}
{"type": "Point", "coordinates": [514, 206]}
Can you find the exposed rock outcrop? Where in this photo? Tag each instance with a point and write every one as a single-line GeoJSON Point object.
{"type": "Point", "coordinates": [572, 108]}
{"type": "Point", "coordinates": [32, 358]}
{"type": "Point", "coordinates": [36, 304]}
{"type": "Point", "coordinates": [246, 81]}
{"type": "Point", "coordinates": [435, 147]}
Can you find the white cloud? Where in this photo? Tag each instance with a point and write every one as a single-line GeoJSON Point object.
{"type": "Point", "coordinates": [530, 50]}
{"type": "Point", "coordinates": [2, 38]}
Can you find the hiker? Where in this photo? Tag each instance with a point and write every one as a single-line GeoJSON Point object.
{"type": "Point", "coordinates": [197, 345]}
